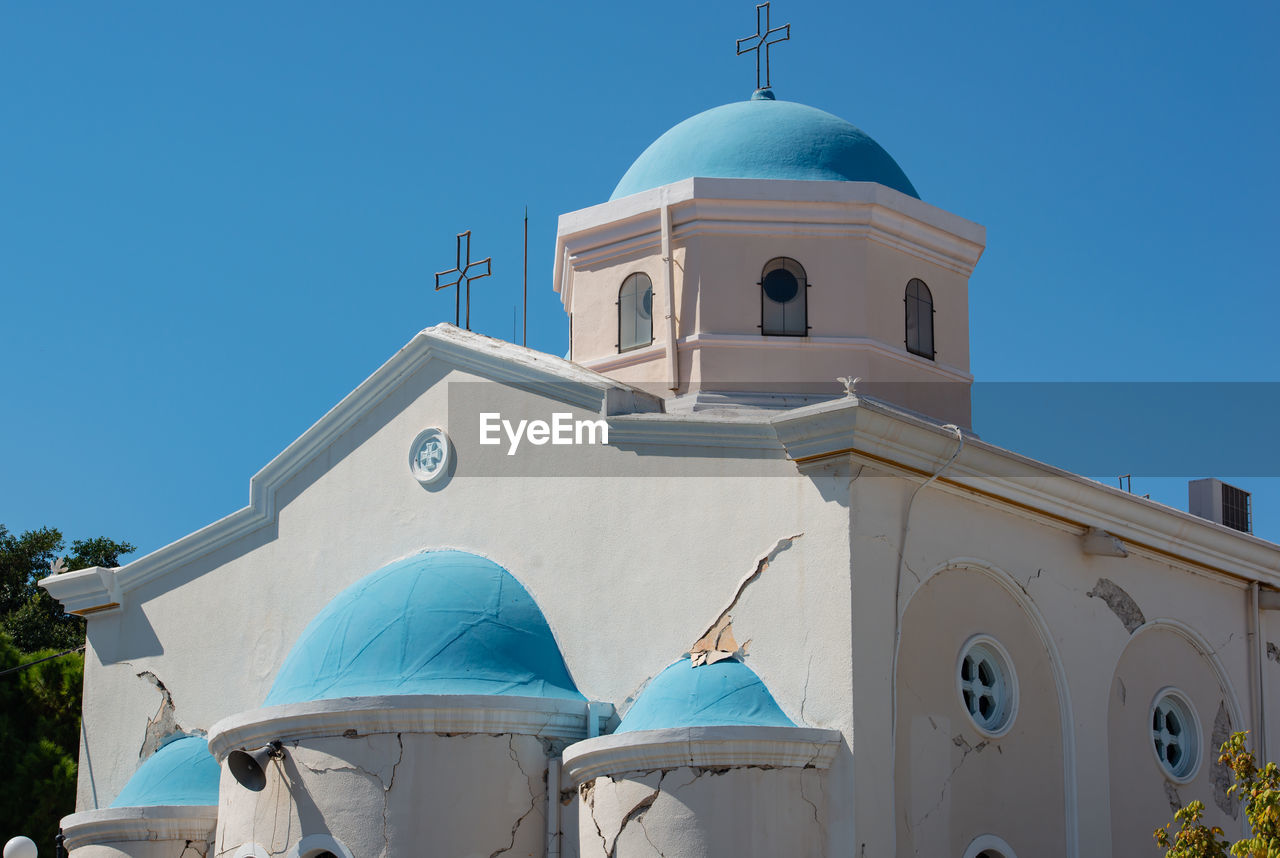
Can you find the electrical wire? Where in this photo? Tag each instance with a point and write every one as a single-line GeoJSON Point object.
{"type": "Point", "coordinates": [9, 670]}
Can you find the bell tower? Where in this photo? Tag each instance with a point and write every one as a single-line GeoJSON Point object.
{"type": "Point", "coordinates": [759, 251]}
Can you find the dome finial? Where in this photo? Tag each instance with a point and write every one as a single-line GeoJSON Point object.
{"type": "Point", "coordinates": [762, 40]}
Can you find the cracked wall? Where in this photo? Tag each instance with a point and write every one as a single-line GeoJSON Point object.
{"type": "Point", "coordinates": [953, 782]}
{"type": "Point", "coordinates": [697, 812]}
{"type": "Point", "coordinates": [146, 849]}
{"type": "Point", "coordinates": [1142, 797]}
{"type": "Point", "coordinates": [390, 793]}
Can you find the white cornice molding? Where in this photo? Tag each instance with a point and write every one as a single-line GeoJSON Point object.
{"type": "Point", "coordinates": [407, 713]}
{"type": "Point", "coordinates": [713, 747]}
{"type": "Point", "coordinates": [139, 824]}
{"type": "Point", "coordinates": [526, 369]}
{"type": "Point", "coordinates": [611, 231]}
{"type": "Point", "coordinates": [86, 591]}
{"type": "Point", "coordinates": [751, 435]}
{"type": "Point", "coordinates": [891, 438]}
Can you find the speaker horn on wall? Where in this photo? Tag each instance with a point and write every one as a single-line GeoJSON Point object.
{"type": "Point", "coordinates": [249, 767]}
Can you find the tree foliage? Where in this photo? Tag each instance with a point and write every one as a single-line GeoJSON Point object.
{"type": "Point", "coordinates": [40, 704]}
{"type": "Point", "coordinates": [1258, 789]}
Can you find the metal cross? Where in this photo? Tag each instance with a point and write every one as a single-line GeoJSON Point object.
{"type": "Point", "coordinates": [464, 273]}
{"type": "Point", "coordinates": [762, 40]}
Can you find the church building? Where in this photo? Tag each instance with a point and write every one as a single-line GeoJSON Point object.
{"type": "Point", "coordinates": [734, 577]}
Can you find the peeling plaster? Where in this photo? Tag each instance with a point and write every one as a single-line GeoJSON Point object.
{"type": "Point", "coordinates": [1120, 603]}
{"type": "Point", "coordinates": [708, 640]}
{"type": "Point", "coordinates": [163, 724]}
{"type": "Point", "coordinates": [1273, 652]}
{"type": "Point", "coordinates": [1171, 793]}
{"type": "Point", "coordinates": [1221, 772]}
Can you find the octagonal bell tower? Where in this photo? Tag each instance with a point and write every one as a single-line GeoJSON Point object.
{"type": "Point", "coordinates": [759, 251]}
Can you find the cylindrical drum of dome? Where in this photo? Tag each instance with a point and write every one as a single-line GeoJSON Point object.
{"type": "Point", "coordinates": [428, 697]}
{"type": "Point", "coordinates": [704, 764]}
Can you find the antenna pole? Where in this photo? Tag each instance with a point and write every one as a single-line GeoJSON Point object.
{"type": "Point", "coordinates": [524, 340]}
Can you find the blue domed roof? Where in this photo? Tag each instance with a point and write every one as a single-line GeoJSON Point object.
{"type": "Point", "coordinates": [764, 139]}
{"type": "Point", "coordinates": [724, 694]}
{"type": "Point", "coordinates": [443, 622]}
{"type": "Point", "coordinates": [182, 772]}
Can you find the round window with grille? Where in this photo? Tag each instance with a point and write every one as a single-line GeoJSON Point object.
{"type": "Point", "coordinates": [988, 688]}
{"type": "Point", "coordinates": [1175, 734]}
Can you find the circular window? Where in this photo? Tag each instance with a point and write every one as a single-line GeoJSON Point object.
{"type": "Point", "coordinates": [781, 285]}
{"type": "Point", "coordinates": [1175, 734]}
{"type": "Point", "coordinates": [429, 455]}
{"type": "Point", "coordinates": [988, 688]}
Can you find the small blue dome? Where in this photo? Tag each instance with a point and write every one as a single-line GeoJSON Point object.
{"type": "Point", "coordinates": [724, 694]}
{"type": "Point", "coordinates": [183, 772]}
{"type": "Point", "coordinates": [764, 139]}
{"type": "Point", "coordinates": [443, 622]}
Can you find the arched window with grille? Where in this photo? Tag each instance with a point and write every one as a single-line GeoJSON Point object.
{"type": "Point", "coordinates": [635, 312]}
{"type": "Point", "coordinates": [919, 301]}
{"type": "Point", "coordinates": [784, 301]}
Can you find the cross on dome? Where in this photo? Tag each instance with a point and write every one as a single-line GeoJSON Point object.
{"type": "Point", "coordinates": [762, 40]}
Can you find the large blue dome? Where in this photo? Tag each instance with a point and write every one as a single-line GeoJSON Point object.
{"type": "Point", "coordinates": [442, 622]}
{"type": "Point", "coordinates": [764, 139]}
{"type": "Point", "coordinates": [724, 694]}
{"type": "Point", "coordinates": [182, 772]}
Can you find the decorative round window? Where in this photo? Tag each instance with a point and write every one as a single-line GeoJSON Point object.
{"type": "Point", "coordinates": [429, 455]}
{"type": "Point", "coordinates": [1175, 733]}
{"type": "Point", "coordinates": [987, 685]}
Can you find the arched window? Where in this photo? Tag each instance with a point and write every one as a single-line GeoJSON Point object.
{"type": "Point", "coordinates": [919, 319]}
{"type": "Point", "coordinates": [784, 303]}
{"type": "Point", "coordinates": [635, 312]}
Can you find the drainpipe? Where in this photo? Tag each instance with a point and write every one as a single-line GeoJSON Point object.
{"type": "Point", "coordinates": [1257, 658]}
{"type": "Point", "coordinates": [553, 807]}
{"type": "Point", "coordinates": [669, 289]}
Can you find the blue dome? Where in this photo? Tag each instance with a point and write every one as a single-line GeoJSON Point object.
{"type": "Point", "coordinates": [724, 694]}
{"type": "Point", "coordinates": [183, 772]}
{"type": "Point", "coordinates": [443, 622]}
{"type": "Point", "coordinates": [764, 139]}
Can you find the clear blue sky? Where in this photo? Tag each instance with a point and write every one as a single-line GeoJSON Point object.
{"type": "Point", "coordinates": [217, 219]}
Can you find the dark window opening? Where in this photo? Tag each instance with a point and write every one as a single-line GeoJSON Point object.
{"type": "Point", "coordinates": [919, 301]}
{"type": "Point", "coordinates": [784, 300]}
{"type": "Point", "coordinates": [635, 312]}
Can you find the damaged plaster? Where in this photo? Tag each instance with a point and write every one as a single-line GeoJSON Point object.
{"type": "Point", "coordinates": [717, 642]}
{"type": "Point", "coordinates": [163, 724]}
{"type": "Point", "coordinates": [1273, 652]}
{"type": "Point", "coordinates": [702, 810]}
{"type": "Point", "coordinates": [1120, 603]}
{"type": "Point", "coordinates": [1221, 774]}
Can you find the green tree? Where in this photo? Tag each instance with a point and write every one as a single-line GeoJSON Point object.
{"type": "Point", "coordinates": [39, 742]}
{"type": "Point", "coordinates": [30, 617]}
{"type": "Point", "coordinates": [40, 704]}
{"type": "Point", "coordinates": [1259, 791]}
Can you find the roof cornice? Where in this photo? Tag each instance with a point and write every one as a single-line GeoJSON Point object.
{"type": "Point", "coordinates": [91, 591]}
{"type": "Point", "coordinates": [630, 226]}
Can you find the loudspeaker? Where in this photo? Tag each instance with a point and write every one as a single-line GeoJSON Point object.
{"type": "Point", "coordinates": [248, 767]}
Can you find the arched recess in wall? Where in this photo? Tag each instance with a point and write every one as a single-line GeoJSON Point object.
{"type": "Point", "coordinates": [953, 779]}
{"type": "Point", "coordinates": [1167, 660]}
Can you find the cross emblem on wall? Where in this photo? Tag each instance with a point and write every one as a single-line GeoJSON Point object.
{"type": "Point", "coordinates": [463, 268]}
{"type": "Point", "coordinates": [762, 39]}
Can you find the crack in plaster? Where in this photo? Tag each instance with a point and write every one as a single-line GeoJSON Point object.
{"type": "Point", "coordinates": [804, 697]}
{"type": "Point", "coordinates": [386, 790]}
{"type": "Point", "coordinates": [1120, 603]}
{"type": "Point", "coordinates": [1026, 585]}
{"type": "Point", "coordinates": [1221, 774]}
{"type": "Point", "coordinates": [163, 724]}
{"type": "Point", "coordinates": [960, 742]}
{"type": "Point", "coordinates": [588, 794]}
{"type": "Point", "coordinates": [1171, 793]}
{"type": "Point", "coordinates": [533, 798]}
{"type": "Point", "coordinates": [761, 565]}
{"type": "Point", "coordinates": [637, 811]}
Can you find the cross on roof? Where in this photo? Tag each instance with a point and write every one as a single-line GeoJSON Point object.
{"type": "Point", "coordinates": [463, 270]}
{"type": "Point", "coordinates": [762, 40]}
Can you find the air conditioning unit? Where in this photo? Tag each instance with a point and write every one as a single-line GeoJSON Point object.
{"type": "Point", "coordinates": [1217, 501]}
